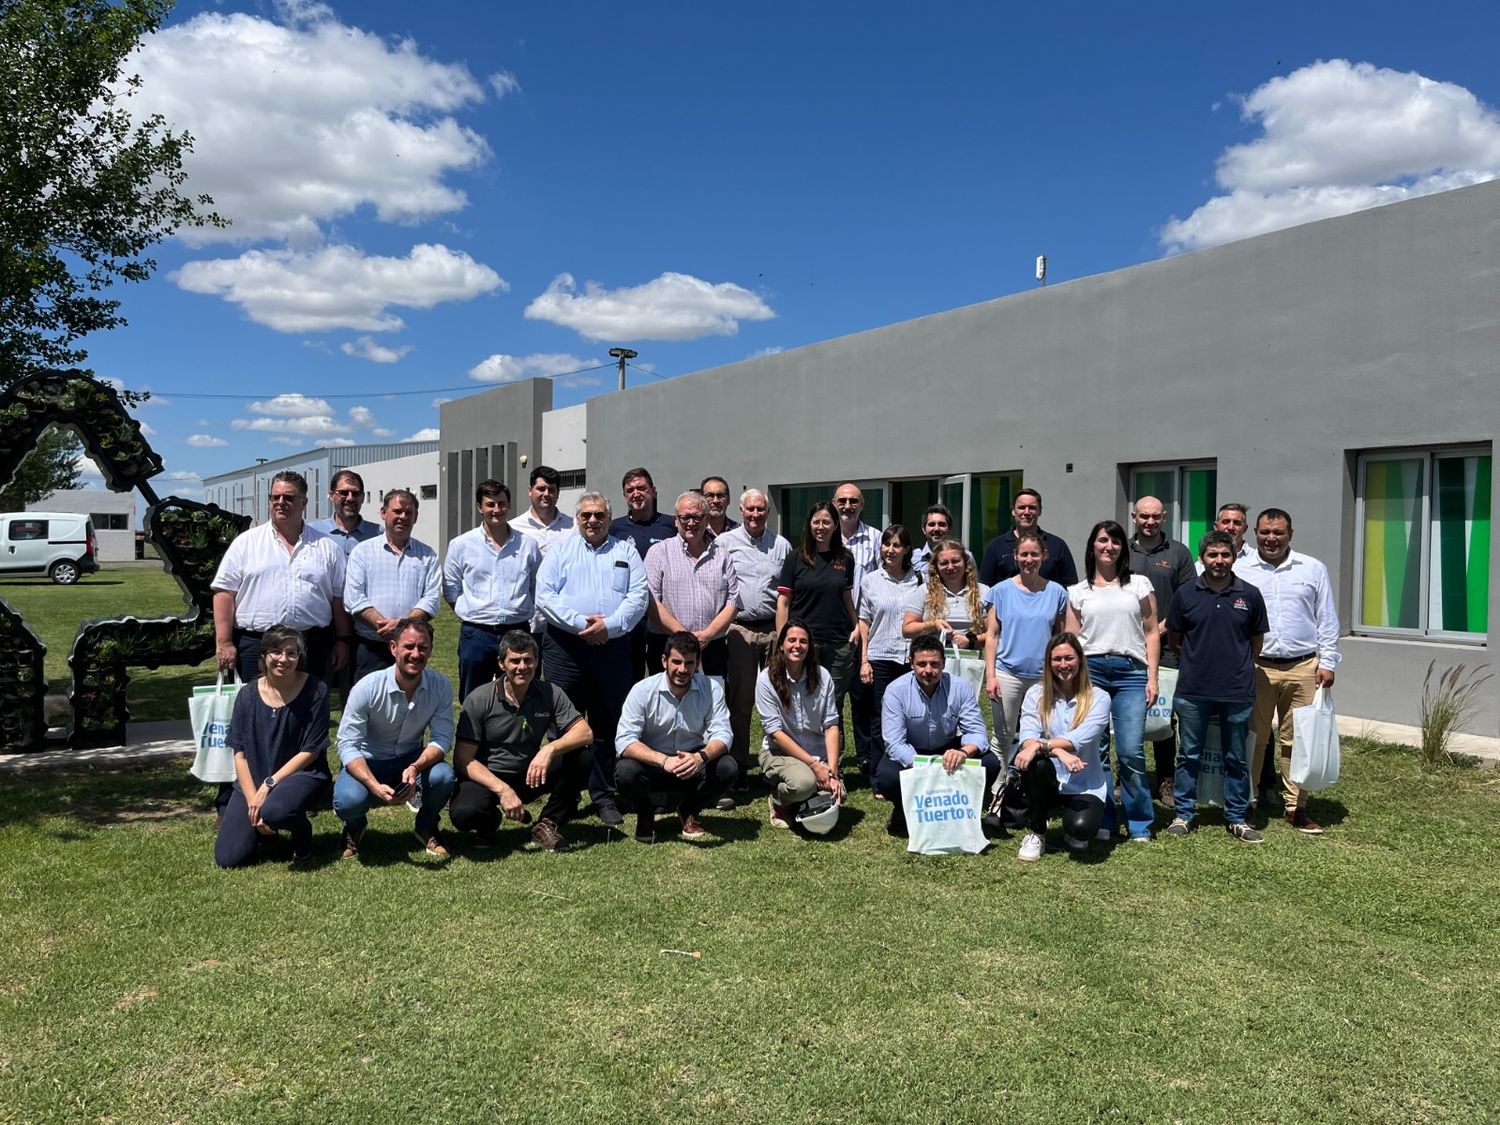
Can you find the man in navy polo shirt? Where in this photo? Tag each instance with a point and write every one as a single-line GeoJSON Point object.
{"type": "Point", "coordinates": [1216, 624]}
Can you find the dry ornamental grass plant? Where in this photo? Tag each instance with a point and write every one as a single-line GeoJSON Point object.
{"type": "Point", "coordinates": [1445, 706]}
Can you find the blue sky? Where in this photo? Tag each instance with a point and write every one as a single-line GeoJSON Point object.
{"type": "Point", "coordinates": [439, 196]}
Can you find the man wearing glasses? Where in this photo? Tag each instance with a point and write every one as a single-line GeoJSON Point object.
{"type": "Point", "coordinates": [863, 542]}
{"type": "Point", "coordinates": [282, 573]}
{"type": "Point", "coordinates": [692, 588]}
{"type": "Point", "coordinates": [716, 491]}
{"type": "Point", "coordinates": [591, 589]}
{"type": "Point", "coordinates": [346, 496]}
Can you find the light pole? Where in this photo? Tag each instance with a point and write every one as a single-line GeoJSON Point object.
{"type": "Point", "coordinates": [622, 354]}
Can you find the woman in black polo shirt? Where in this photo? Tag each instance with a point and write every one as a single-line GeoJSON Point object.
{"type": "Point", "coordinates": [817, 583]}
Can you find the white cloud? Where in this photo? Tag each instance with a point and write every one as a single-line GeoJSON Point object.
{"type": "Point", "coordinates": [183, 474]}
{"type": "Point", "coordinates": [501, 368]}
{"type": "Point", "coordinates": [297, 443]}
{"type": "Point", "coordinates": [299, 123]}
{"type": "Point", "coordinates": [761, 353]}
{"type": "Point", "coordinates": [294, 405]}
{"type": "Point", "coordinates": [1338, 137]}
{"type": "Point", "coordinates": [88, 472]}
{"type": "Point", "coordinates": [338, 286]}
{"type": "Point", "coordinates": [366, 348]}
{"type": "Point", "coordinates": [362, 416]}
{"type": "Point", "coordinates": [203, 441]}
{"type": "Point", "coordinates": [316, 426]}
{"type": "Point", "coordinates": [324, 443]}
{"type": "Point", "coordinates": [673, 307]}
{"type": "Point", "coordinates": [439, 402]}
{"type": "Point", "coordinates": [429, 434]}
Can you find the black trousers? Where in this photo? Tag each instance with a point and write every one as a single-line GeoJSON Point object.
{"type": "Point", "coordinates": [319, 643]}
{"type": "Point", "coordinates": [648, 788]}
{"type": "Point", "coordinates": [713, 661]}
{"type": "Point", "coordinates": [886, 672]}
{"type": "Point", "coordinates": [596, 679]}
{"type": "Point", "coordinates": [285, 809]}
{"type": "Point", "coordinates": [1039, 795]}
{"type": "Point", "coordinates": [476, 809]}
{"type": "Point", "coordinates": [369, 656]}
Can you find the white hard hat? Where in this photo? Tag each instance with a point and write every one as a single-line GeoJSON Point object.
{"type": "Point", "coordinates": [819, 814]}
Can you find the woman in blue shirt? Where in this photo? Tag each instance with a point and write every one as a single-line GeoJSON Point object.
{"type": "Point", "coordinates": [1023, 612]}
{"type": "Point", "coordinates": [1063, 721]}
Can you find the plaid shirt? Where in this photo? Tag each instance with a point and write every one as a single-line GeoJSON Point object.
{"type": "Point", "coordinates": [693, 590]}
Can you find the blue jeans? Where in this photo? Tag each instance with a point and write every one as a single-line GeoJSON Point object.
{"type": "Point", "coordinates": [1193, 717]}
{"type": "Point", "coordinates": [1125, 680]}
{"type": "Point", "coordinates": [351, 800]}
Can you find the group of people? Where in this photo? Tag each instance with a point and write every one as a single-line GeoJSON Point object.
{"type": "Point", "coordinates": [626, 656]}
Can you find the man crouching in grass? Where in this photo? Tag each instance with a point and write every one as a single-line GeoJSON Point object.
{"type": "Point", "coordinates": [673, 741]}
{"type": "Point", "coordinates": [381, 744]}
{"type": "Point", "coordinates": [499, 757]}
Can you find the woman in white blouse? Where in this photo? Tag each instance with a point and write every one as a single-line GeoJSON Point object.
{"type": "Point", "coordinates": [884, 597]}
{"type": "Point", "coordinates": [1063, 721]}
{"type": "Point", "coordinates": [1113, 612]}
{"type": "Point", "coordinates": [795, 698]}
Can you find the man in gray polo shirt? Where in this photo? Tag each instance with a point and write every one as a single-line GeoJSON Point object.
{"type": "Point", "coordinates": [499, 754]}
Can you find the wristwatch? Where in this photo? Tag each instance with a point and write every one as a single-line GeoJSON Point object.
{"type": "Point", "coordinates": [269, 782]}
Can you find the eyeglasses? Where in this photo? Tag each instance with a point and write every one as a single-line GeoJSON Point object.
{"type": "Point", "coordinates": [285, 497]}
{"type": "Point", "coordinates": [847, 501]}
{"type": "Point", "coordinates": [716, 496]}
{"type": "Point", "coordinates": [696, 517]}
{"type": "Point", "coordinates": [348, 492]}
{"type": "Point", "coordinates": [590, 517]}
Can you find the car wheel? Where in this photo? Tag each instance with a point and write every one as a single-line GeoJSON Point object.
{"type": "Point", "coordinates": [64, 572]}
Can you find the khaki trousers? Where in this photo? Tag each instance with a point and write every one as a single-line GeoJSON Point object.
{"type": "Point", "coordinates": [1279, 688]}
{"type": "Point", "coordinates": [747, 649]}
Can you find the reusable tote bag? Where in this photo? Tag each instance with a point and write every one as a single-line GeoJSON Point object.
{"type": "Point", "coordinates": [210, 709]}
{"type": "Point", "coordinates": [943, 809]}
{"type": "Point", "coordinates": [1315, 744]}
{"type": "Point", "coordinates": [968, 665]}
{"type": "Point", "coordinates": [1159, 714]}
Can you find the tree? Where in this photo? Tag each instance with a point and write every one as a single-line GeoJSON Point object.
{"type": "Point", "coordinates": [85, 188]}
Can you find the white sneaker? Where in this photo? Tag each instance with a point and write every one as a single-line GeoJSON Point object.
{"type": "Point", "coordinates": [1031, 848]}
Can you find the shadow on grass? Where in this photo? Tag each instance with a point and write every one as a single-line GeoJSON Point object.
{"type": "Point", "coordinates": [100, 796]}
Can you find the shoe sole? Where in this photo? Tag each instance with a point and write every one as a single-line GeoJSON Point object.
{"type": "Point", "coordinates": [1028, 858]}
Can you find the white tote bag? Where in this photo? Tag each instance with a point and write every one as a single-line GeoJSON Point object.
{"type": "Point", "coordinates": [1315, 744]}
{"type": "Point", "coordinates": [966, 664]}
{"type": "Point", "coordinates": [1159, 714]}
{"type": "Point", "coordinates": [943, 809]}
{"type": "Point", "coordinates": [210, 709]}
{"type": "Point", "coordinates": [1211, 768]}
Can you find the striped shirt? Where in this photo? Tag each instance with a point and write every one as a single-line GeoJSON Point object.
{"type": "Point", "coordinates": [756, 564]}
{"type": "Point", "coordinates": [490, 585]}
{"type": "Point", "coordinates": [864, 545]}
{"type": "Point", "coordinates": [694, 590]}
{"type": "Point", "coordinates": [883, 606]}
{"type": "Point", "coordinates": [391, 582]}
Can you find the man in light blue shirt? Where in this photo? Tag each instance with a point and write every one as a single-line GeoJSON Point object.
{"type": "Point", "coordinates": [673, 741]}
{"type": "Point", "coordinates": [387, 579]}
{"type": "Point", "coordinates": [394, 738]}
{"type": "Point", "coordinates": [347, 528]}
{"type": "Point", "coordinates": [591, 590]}
{"type": "Point", "coordinates": [929, 711]}
{"type": "Point", "coordinates": [489, 578]}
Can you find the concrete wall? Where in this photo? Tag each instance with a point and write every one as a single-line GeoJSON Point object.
{"type": "Point", "coordinates": [409, 473]}
{"type": "Point", "coordinates": [1280, 357]}
{"type": "Point", "coordinates": [484, 436]}
{"type": "Point", "coordinates": [113, 546]}
{"type": "Point", "coordinates": [565, 447]}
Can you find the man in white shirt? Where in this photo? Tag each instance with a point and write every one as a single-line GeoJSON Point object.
{"type": "Point", "coordinates": [756, 555]}
{"type": "Point", "coordinates": [489, 578]}
{"type": "Point", "coordinates": [542, 521]}
{"type": "Point", "coordinates": [282, 573]}
{"type": "Point", "coordinates": [1300, 650]}
{"type": "Point", "coordinates": [389, 578]}
{"type": "Point", "coordinates": [863, 542]}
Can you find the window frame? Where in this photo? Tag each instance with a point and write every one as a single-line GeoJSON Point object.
{"type": "Point", "coordinates": [1178, 507]}
{"type": "Point", "coordinates": [1428, 455]}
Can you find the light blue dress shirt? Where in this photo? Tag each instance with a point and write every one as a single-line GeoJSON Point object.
{"type": "Point", "coordinates": [347, 540]}
{"type": "Point", "coordinates": [392, 584]}
{"type": "Point", "coordinates": [380, 722]}
{"type": "Point", "coordinates": [653, 715]}
{"type": "Point", "coordinates": [577, 580]}
{"type": "Point", "coordinates": [914, 722]}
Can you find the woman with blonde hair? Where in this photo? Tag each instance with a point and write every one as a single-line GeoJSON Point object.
{"type": "Point", "coordinates": [1064, 719]}
{"type": "Point", "coordinates": [953, 604]}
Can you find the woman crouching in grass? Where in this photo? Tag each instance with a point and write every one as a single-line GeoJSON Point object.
{"type": "Point", "coordinates": [279, 735]}
{"type": "Point", "coordinates": [795, 698]}
{"type": "Point", "coordinates": [1063, 721]}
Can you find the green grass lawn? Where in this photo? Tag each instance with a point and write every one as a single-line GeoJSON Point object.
{"type": "Point", "coordinates": [1348, 978]}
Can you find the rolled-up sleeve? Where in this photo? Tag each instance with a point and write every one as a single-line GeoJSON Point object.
{"type": "Point", "coordinates": [768, 704]}
{"type": "Point", "coordinates": [440, 726]}
{"type": "Point", "coordinates": [719, 729]}
{"type": "Point", "coordinates": [632, 726]}
{"type": "Point", "coordinates": [432, 589]}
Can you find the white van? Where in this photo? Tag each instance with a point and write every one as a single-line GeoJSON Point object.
{"type": "Point", "coordinates": [60, 545]}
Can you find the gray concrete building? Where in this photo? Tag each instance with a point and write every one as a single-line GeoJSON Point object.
{"type": "Point", "coordinates": [1347, 371]}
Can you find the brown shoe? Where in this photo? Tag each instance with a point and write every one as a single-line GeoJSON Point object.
{"type": "Point", "coordinates": [1164, 794]}
{"type": "Point", "coordinates": [432, 845]}
{"type": "Point", "coordinates": [545, 835]}
{"type": "Point", "coordinates": [349, 843]}
{"type": "Point", "coordinates": [1299, 820]}
{"type": "Point", "coordinates": [692, 827]}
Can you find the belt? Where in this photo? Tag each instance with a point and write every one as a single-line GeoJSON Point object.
{"type": "Point", "coordinates": [259, 633]}
{"type": "Point", "coordinates": [496, 630]}
{"type": "Point", "coordinates": [756, 622]}
{"type": "Point", "coordinates": [1286, 659]}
